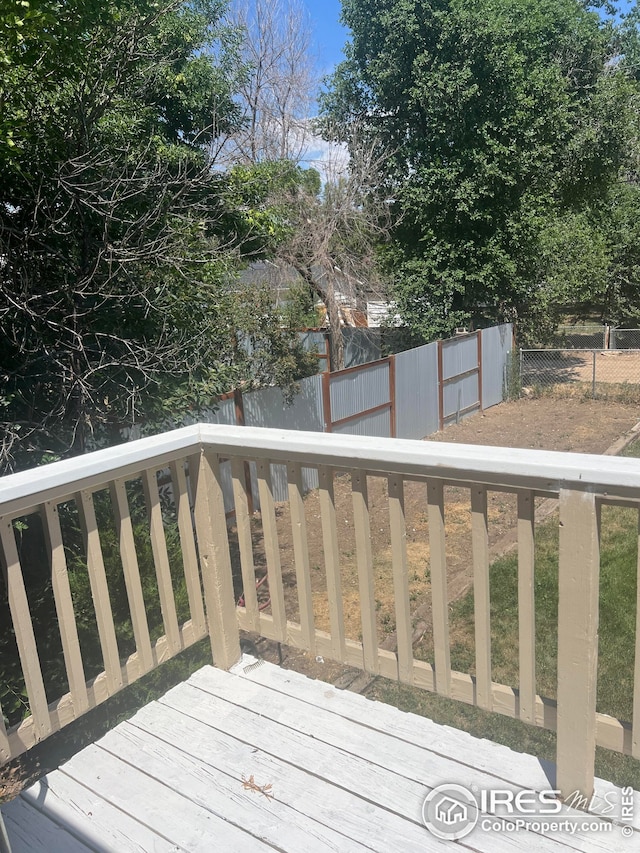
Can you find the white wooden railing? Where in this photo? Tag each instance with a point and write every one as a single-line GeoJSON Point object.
{"type": "Point", "coordinates": [193, 458]}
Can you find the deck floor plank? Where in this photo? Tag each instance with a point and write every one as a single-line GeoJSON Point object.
{"type": "Point", "coordinates": [515, 768]}
{"type": "Point", "coordinates": [156, 803]}
{"type": "Point", "coordinates": [210, 772]}
{"type": "Point", "coordinates": [422, 758]}
{"type": "Point", "coordinates": [375, 769]}
{"type": "Point", "coordinates": [31, 830]}
{"type": "Point", "coordinates": [91, 815]}
{"type": "Point", "coordinates": [347, 774]}
{"type": "Point", "coordinates": [354, 775]}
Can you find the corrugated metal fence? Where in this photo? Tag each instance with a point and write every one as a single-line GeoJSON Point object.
{"type": "Point", "coordinates": [460, 377]}
{"type": "Point", "coordinates": [361, 345]}
{"type": "Point", "coordinates": [360, 400]}
{"type": "Point", "coordinates": [408, 395]}
{"type": "Point", "coordinates": [496, 347]}
{"type": "Point", "coordinates": [417, 392]}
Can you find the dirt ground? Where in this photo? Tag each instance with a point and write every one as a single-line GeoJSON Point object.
{"type": "Point", "coordinates": [564, 424]}
{"type": "Point", "coordinates": [549, 423]}
{"type": "Point", "coordinates": [618, 368]}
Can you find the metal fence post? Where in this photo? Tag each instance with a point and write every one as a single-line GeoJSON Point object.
{"type": "Point", "coordinates": [520, 373]}
{"type": "Point", "coordinates": [440, 388]}
{"type": "Point", "coordinates": [593, 386]}
{"type": "Point", "coordinates": [393, 414]}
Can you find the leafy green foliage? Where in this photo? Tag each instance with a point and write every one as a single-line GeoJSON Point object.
{"type": "Point", "coordinates": [508, 122]}
{"type": "Point", "coordinates": [119, 242]}
{"type": "Point", "coordinates": [37, 576]}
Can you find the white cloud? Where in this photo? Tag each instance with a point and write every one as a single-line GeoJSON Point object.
{"type": "Point", "coordinates": [331, 159]}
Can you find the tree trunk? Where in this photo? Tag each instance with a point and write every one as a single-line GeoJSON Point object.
{"type": "Point", "coordinates": [328, 296]}
{"type": "Point", "coordinates": [336, 339]}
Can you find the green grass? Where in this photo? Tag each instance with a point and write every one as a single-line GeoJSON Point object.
{"type": "Point", "coordinates": [616, 643]}
{"type": "Point", "coordinates": [632, 450]}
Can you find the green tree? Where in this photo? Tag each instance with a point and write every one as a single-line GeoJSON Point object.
{"type": "Point", "coordinates": [118, 271]}
{"type": "Point", "coordinates": [324, 230]}
{"type": "Point", "coordinates": [503, 117]}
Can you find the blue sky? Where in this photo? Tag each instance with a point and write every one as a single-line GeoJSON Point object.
{"type": "Point", "coordinates": [329, 38]}
{"type": "Point", "coordinates": [329, 34]}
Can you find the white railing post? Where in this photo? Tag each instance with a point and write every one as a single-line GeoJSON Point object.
{"type": "Point", "coordinates": [578, 581]}
{"type": "Point", "coordinates": [215, 563]}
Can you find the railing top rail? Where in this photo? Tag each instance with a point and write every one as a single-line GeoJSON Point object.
{"type": "Point", "coordinates": [544, 471]}
{"type": "Point", "coordinates": [27, 489]}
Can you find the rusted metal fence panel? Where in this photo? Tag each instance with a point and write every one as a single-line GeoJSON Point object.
{"type": "Point", "coordinates": [360, 400]}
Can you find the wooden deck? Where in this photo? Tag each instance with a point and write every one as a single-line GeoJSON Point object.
{"type": "Point", "coordinates": [344, 774]}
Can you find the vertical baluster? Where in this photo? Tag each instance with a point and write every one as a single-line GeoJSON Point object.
{"type": "Point", "coordinates": [131, 573]}
{"type": "Point", "coordinates": [301, 555]}
{"type": "Point", "coordinates": [100, 592]}
{"type": "Point", "coordinates": [481, 599]}
{"type": "Point", "coordinates": [161, 561]}
{"type": "Point", "coordinates": [332, 562]}
{"type": "Point", "coordinates": [64, 610]}
{"type": "Point", "coordinates": [364, 557]}
{"type": "Point", "coordinates": [245, 543]}
{"type": "Point", "coordinates": [272, 549]}
{"type": "Point", "coordinates": [404, 631]}
{"type": "Point", "coordinates": [526, 606]}
{"type": "Point", "coordinates": [5, 748]}
{"type": "Point", "coordinates": [23, 629]}
{"type": "Point", "coordinates": [215, 563]}
{"type": "Point", "coordinates": [635, 733]}
{"type": "Point", "coordinates": [188, 547]}
{"type": "Point", "coordinates": [439, 596]}
{"type": "Point", "coordinates": [578, 610]}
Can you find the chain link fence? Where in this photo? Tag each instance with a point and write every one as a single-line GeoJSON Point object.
{"type": "Point", "coordinates": [581, 336]}
{"type": "Point", "coordinates": [624, 339]}
{"type": "Point", "coordinates": [590, 336]}
{"type": "Point", "coordinates": [597, 373]}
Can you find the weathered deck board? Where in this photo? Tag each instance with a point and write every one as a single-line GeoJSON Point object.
{"type": "Point", "coordinates": [29, 829]}
{"type": "Point", "coordinates": [347, 774]}
{"type": "Point", "coordinates": [400, 744]}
